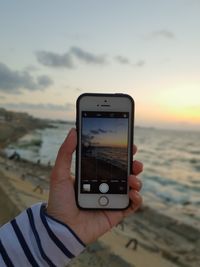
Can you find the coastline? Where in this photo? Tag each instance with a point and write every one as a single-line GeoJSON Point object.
{"type": "Point", "coordinates": [146, 237]}
{"type": "Point", "coordinates": [153, 236]}
{"type": "Point", "coordinates": [14, 125]}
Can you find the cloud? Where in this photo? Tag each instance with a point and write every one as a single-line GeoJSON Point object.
{"type": "Point", "coordinates": [94, 131]}
{"type": "Point", "coordinates": [76, 55]}
{"type": "Point", "coordinates": [39, 106]}
{"type": "Point", "coordinates": [125, 61]}
{"type": "Point", "coordinates": [102, 131]}
{"type": "Point", "coordinates": [55, 60]}
{"type": "Point", "coordinates": [87, 57]}
{"type": "Point", "coordinates": [122, 60]}
{"type": "Point", "coordinates": [91, 135]}
{"type": "Point", "coordinates": [12, 81]}
{"type": "Point", "coordinates": [87, 140]}
{"type": "Point", "coordinates": [44, 81]}
{"type": "Point", "coordinates": [67, 60]}
{"type": "Point", "coordinates": [98, 131]}
{"type": "Point", "coordinates": [166, 34]}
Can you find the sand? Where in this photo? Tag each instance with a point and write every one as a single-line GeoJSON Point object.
{"type": "Point", "coordinates": [157, 239]}
{"type": "Point", "coordinates": [16, 190]}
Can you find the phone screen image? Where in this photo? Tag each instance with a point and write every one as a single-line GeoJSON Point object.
{"type": "Point", "coordinates": [104, 152]}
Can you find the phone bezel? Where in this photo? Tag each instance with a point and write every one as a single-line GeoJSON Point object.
{"type": "Point", "coordinates": [100, 102]}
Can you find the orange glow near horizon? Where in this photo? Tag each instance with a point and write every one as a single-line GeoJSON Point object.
{"type": "Point", "coordinates": [118, 140]}
{"type": "Point", "coordinates": [176, 114]}
{"type": "Point", "coordinates": [191, 114]}
{"type": "Point", "coordinates": [180, 105]}
{"type": "Point", "coordinates": [184, 104]}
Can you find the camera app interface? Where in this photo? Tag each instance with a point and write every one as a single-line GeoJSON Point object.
{"type": "Point", "coordinates": [104, 152]}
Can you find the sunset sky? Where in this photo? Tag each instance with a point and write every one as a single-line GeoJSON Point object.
{"type": "Point", "coordinates": [105, 131]}
{"type": "Point", "coordinates": [52, 51]}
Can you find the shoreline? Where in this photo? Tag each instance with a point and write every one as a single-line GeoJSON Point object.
{"type": "Point", "coordinates": [147, 236]}
{"type": "Point", "coordinates": [165, 241]}
{"type": "Point", "coordinates": [14, 125]}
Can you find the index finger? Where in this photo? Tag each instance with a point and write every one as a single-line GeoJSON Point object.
{"type": "Point", "coordinates": [62, 168]}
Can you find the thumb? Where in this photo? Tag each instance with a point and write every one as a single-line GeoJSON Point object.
{"type": "Point", "coordinates": [62, 168]}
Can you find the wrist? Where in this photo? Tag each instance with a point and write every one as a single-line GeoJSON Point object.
{"type": "Point", "coordinates": [59, 219]}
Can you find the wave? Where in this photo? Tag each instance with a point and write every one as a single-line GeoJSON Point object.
{"type": "Point", "coordinates": [180, 187]}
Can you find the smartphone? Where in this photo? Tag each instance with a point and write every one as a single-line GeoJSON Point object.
{"type": "Point", "coordinates": [104, 150]}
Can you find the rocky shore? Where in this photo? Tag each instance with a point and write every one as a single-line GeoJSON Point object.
{"type": "Point", "coordinates": [14, 125]}
{"type": "Point", "coordinates": [147, 238]}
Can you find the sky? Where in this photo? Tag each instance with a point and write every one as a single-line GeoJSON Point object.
{"type": "Point", "coordinates": [52, 51]}
{"type": "Point", "coordinates": [105, 131]}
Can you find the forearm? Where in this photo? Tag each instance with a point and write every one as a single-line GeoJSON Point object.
{"type": "Point", "coordinates": [35, 239]}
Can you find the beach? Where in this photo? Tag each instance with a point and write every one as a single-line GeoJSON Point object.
{"type": "Point", "coordinates": [150, 237]}
{"type": "Point", "coordinates": [144, 237]}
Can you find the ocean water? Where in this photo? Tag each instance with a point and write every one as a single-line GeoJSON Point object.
{"type": "Point", "coordinates": [115, 156]}
{"type": "Point", "coordinates": [42, 144]}
{"type": "Point", "coordinates": [171, 177]}
{"type": "Point", "coordinates": [171, 180]}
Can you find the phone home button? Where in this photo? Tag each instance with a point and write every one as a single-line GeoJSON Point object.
{"type": "Point", "coordinates": [103, 188]}
{"type": "Point", "coordinates": [103, 201]}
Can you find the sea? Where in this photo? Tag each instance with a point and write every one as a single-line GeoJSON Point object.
{"type": "Point", "coordinates": [117, 156]}
{"type": "Point", "coordinates": [171, 158]}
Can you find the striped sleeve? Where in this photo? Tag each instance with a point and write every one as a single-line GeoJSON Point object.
{"type": "Point", "coordinates": [35, 239]}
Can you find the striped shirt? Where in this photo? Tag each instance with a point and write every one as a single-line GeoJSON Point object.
{"type": "Point", "coordinates": [35, 239]}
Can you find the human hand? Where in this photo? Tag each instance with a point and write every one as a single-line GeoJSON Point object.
{"type": "Point", "coordinates": [88, 225]}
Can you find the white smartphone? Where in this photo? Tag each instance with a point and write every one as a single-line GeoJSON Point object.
{"type": "Point", "coordinates": [104, 150]}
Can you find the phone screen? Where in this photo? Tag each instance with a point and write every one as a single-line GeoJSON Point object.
{"type": "Point", "coordinates": [104, 152]}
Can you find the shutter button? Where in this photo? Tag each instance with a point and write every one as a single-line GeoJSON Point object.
{"type": "Point", "coordinates": [103, 201]}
